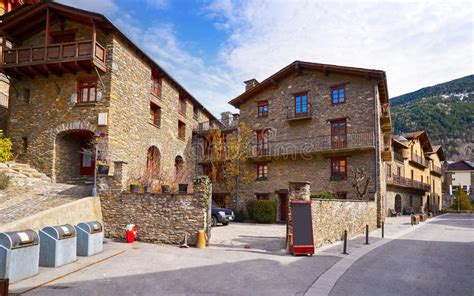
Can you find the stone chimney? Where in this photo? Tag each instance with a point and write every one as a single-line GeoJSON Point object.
{"type": "Point", "coordinates": [226, 118]}
{"type": "Point", "coordinates": [250, 83]}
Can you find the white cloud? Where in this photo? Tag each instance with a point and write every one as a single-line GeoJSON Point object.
{"type": "Point", "coordinates": [416, 43]}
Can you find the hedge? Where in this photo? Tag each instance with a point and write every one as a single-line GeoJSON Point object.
{"type": "Point", "coordinates": [264, 211]}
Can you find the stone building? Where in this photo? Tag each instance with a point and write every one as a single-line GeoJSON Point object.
{"type": "Point", "coordinates": [457, 174]}
{"type": "Point", "coordinates": [414, 176]}
{"type": "Point", "coordinates": [77, 80]}
{"type": "Point", "coordinates": [315, 122]}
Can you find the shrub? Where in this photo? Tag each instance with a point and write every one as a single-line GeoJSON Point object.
{"type": "Point", "coordinates": [326, 195]}
{"type": "Point", "coordinates": [5, 148]}
{"type": "Point", "coordinates": [250, 210]}
{"type": "Point", "coordinates": [461, 197]}
{"type": "Point", "coordinates": [4, 181]}
{"type": "Point", "coordinates": [239, 216]}
{"type": "Point", "coordinates": [264, 211]}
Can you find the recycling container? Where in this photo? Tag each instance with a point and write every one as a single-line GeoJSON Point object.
{"type": "Point", "coordinates": [90, 238]}
{"type": "Point", "coordinates": [57, 245]}
{"type": "Point", "coordinates": [19, 255]}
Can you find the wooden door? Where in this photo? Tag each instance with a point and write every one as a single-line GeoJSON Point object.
{"type": "Point", "coordinates": [283, 206]}
{"type": "Point", "coordinates": [338, 134]}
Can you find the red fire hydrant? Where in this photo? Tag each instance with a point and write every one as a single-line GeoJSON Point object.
{"type": "Point", "coordinates": [130, 233]}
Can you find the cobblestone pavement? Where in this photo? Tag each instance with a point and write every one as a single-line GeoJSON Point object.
{"type": "Point", "coordinates": [20, 202]}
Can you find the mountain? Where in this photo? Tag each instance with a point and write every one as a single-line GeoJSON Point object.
{"type": "Point", "coordinates": [445, 111]}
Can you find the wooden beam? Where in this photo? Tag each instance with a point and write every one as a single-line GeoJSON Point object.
{"type": "Point", "coordinates": [69, 68]}
{"type": "Point", "coordinates": [41, 70]}
{"type": "Point", "coordinates": [94, 37]}
{"type": "Point", "coordinates": [25, 73]}
{"type": "Point", "coordinates": [46, 35]}
{"type": "Point", "coordinates": [326, 71]}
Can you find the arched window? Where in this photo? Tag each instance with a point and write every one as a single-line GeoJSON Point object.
{"type": "Point", "coordinates": [153, 162]}
{"type": "Point", "coordinates": [179, 166]}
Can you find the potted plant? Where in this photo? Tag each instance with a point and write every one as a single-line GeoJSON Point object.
{"type": "Point", "coordinates": [102, 168]}
{"type": "Point", "coordinates": [134, 186]}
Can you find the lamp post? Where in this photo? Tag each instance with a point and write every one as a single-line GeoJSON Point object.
{"type": "Point", "coordinates": [95, 142]}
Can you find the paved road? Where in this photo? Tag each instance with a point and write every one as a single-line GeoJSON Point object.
{"type": "Point", "coordinates": [437, 259]}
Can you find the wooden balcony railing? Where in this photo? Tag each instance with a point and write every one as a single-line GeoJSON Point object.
{"type": "Point", "coordinates": [406, 182]}
{"type": "Point", "coordinates": [398, 156]}
{"type": "Point", "coordinates": [417, 159]}
{"type": "Point", "coordinates": [215, 124]}
{"type": "Point", "coordinates": [61, 52]}
{"type": "Point", "coordinates": [301, 146]}
{"type": "Point", "coordinates": [436, 170]}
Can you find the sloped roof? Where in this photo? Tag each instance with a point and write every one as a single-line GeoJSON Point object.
{"type": "Point", "coordinates": [460, 166]}
{"type": "Point", "coordinates": [26, 20]}
{"type": "Point", "coordinates": [298, 66]}
{"type": "Point", "coordinates": [437, 149]}
{"type": "Point", "coordinates": [422, 136]}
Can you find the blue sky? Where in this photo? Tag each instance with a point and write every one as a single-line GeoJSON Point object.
{"type": "Point", "coordinates": [211, 46]}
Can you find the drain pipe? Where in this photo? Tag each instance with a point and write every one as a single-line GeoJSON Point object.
{"type": "Point", "coordinates": [377, 154]}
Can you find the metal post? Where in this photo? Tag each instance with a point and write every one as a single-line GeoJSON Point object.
{"type": "Point", "coordinates": [366, 234]}
{"type": "Point", "coordinates": [345, 243]}
{"type": "Point", "coordinates": [94, 188]}
{"type": "Point", "coordinates": [383, 229]}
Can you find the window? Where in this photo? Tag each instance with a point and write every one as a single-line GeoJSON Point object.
{"type": "Point", "coordinates": [24, 146]}
{"type": "Point", "coordinates": [262, 142]}
{"type": "Point", "coordinates": [26, 95]}
{"type": "Point", "coordinates": [389, 171]}
{"type": "Point", "coordinates": [155, 113]}
{"type": "Point", "coordinates": [341, 194]}
{"type": "Point", "coordinates": [338, 95]}
{"type": "Point", "coordinates": [195, 112]}
{"type": "Point", "coordinates": [301, 104]}
{"type": "Point", "coordinates": [262, 108]}
{"type": "Point", "coordinates": [399, 171]}
{"type": "Point", "coordinates": [339, 134]}
{"type": "Point", "coordinates": [434, 186]}
{"type": "Point", "coordinates": [263, 196]}
{"type": "Point", "coordinates": [182, 105]}
{"type": "Point", "coordinates": [179, 166]}
{"type": "Point", "coordinates": [155, 86]}
{"type": "Point", "coordinates": [338, 168]}
{"type": "Point", "coordinates": [87, 91]}
{"type": "Point", "coordinates": [262, 171]}
{"type": "Point", "coordinates": [181, 130]}
{"type": "Point", "coordinates": [412, 175]}
{"type": "Point", "coordinates": [421, 179]}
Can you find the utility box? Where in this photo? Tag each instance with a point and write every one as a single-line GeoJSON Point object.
{"type": "Point", "coordinates": [58, 245]}
{"type": "Point", "coordinates": [19, 255]}
{"type": "Point", "coordinates": [90, 238]}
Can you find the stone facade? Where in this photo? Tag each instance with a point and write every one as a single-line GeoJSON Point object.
{"type": "Point", "coordinates": [48, 128]}
{"type": "Point", "coordinates": [4, 86]}
{"type": "Point", "coordinates": [303, 146]}
{"type": "Point", "coordinates": [160, 218]}
{"type": "Point", "coordinates": [332, 217]}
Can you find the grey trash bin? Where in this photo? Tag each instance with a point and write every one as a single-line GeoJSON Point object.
{"type": "Point", "coordinates": [57, 245]}
{"type": "Point", "coordinates": [19, 255]}
{"type": "Point", "coordinates": [90, 238]}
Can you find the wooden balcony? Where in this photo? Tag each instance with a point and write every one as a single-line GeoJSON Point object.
{"type": "Point", "coordinates": [312, 145]}
{"type": "Point", "coordinates": [398, 157]}
{"type": "Point", "coordinates": [436, 170]}
{"type": "Point", "coordinates": [407, 183]}
{"type": "Point", "coordinates": [418, 161]}
{"type": "Point", "coordinates": [385, 118]}
{"type": "Point", "coordinates": [55, 59]}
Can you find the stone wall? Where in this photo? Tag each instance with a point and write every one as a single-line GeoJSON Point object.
{"type": "Point", "coordinates": [4, 86]}
{"type": "Point", "coordinates": [160, 218]}
{"type": "Point", "coordinates": [332, 217]}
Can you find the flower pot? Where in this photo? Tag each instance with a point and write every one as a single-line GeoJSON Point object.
{"type": "Point", "coordinates": [103, 169]}
{"type": "Point", "coordinates": [183, 188]}
{"type": "Point", "coordinates": [134, 188]}
{"type": "Point", "coordinates": [147, 189]}
{"type": "Point", "coordinates": [165, 188]}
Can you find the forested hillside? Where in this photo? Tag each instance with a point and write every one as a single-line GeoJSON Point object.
{"type": "Point", "coordinates": [445, 111]}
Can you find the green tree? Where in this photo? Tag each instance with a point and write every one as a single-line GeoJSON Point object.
{"type": "Point", "coordinates": [462, 199]}
{"type": "Point", "coordinates": [5, 148]}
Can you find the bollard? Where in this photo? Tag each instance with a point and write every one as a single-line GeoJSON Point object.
{"type": "Point", "coordinates": [345, 243]}
{"type": "Point", "coordinates": [383, 230]}
{"type": "Point", "coordinates": [366, 234]}
{"type": "Point", "coordinates": [201, 240]}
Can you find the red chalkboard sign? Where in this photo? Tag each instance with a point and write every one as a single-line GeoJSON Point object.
{"type": "Point", "coordinates": [302, 228]}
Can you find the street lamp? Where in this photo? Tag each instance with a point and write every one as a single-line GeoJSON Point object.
{"type": "Point", "coordinates": [95, 143]}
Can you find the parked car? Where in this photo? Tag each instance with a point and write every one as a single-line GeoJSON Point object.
{"type": "Point", "coordinates": [221, 215]}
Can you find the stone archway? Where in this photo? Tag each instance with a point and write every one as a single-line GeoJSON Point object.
{"type": "Point", "coordinates": [153, 163]}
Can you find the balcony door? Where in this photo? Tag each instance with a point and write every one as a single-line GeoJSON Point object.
{"type": "Point", "coordinates": [339, 134]}
{"type": "Point", "coordinates": [262, 142]}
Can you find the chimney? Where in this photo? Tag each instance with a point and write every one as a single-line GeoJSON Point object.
{"type": "Point", "coordinates": [226, 118]}
{"type": "Point", "coordinates": [250, 83]}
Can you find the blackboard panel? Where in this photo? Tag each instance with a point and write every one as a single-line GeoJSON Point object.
{"type": "Point", "coordinates": [302, 223]}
